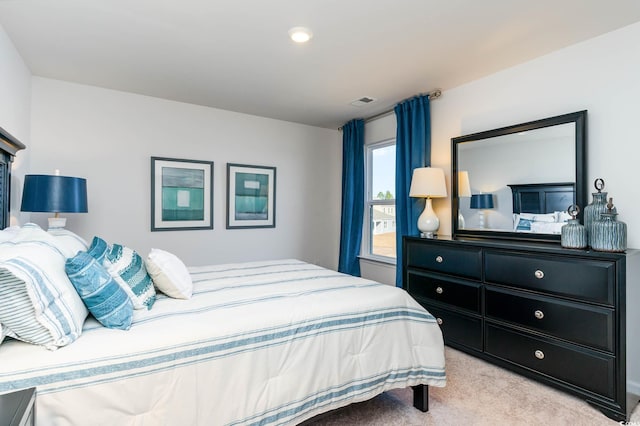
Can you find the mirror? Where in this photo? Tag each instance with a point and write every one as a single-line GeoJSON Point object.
{"type": "Point", "coordinates": [517, 182]}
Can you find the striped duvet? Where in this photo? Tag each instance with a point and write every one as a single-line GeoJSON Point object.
{"type": "Point", "coordinates": [261, 343]}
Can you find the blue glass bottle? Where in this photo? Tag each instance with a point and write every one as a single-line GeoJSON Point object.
{"type": "Point", "coordinates": [609, 234]}
{"type": "Point", "coordinates": [573, 234]}
{"type": "Point", "coordinates": [597, 206]}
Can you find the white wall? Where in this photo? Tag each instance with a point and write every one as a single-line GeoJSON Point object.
{"type": "Point", "coordinates": [15, 104]}
{"type": "Point", "coordinates": [109, 136]}
{"type": "Point", "coordinates": [599, 75]}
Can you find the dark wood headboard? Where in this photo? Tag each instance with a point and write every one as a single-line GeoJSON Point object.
{"type": "Point", "coordinates": [9, 146]}
{"type": "Point", "coordinates": [543, 197]}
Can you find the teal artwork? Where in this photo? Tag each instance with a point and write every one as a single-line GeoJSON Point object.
{"type": "Point", "coordinates": [251, 196]}
{"type": "Point", "coordinates": [183, 196]}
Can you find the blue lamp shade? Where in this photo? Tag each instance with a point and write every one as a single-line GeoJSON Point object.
{"type": "Point", "coordinates": [482, 201]}
{"type": "Point", "coordinates": [59, 194]}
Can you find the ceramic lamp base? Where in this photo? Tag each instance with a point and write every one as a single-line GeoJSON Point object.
{"type": "Point", "coordinates": [57, 222]}
{"type": "Point", "coordinates": [428, 222]}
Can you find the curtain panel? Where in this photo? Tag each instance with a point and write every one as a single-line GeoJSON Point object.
{"type": "Point", "coordinates": [413, 150]}
{"type": "Point", "coordinates": [352, 197]}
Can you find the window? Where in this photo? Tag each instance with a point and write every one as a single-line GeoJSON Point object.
{"type": "Point", "coordinates": [380, 211]}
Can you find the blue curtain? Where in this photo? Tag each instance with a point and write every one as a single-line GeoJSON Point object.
{"type": "Point", "coordinates": [413, 150]}
{"type": "Point", "coordinates": [352, 196]}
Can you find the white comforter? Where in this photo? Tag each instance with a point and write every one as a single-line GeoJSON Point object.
{"type": "Point", "coordinates": [259, 343]}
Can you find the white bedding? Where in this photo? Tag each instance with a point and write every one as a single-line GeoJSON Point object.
{"type": "Point", "coordinates": [258, 343]}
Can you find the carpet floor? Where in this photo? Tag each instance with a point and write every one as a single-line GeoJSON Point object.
{"type": "Point", "coordinates": [477, 393]}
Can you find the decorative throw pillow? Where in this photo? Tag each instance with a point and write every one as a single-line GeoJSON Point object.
{"type": "Point", "coordinates": [127, 268]}
{"type": "Point", "coordinates": [106, 299]}
{"type": "Point", "coordinates": [32, 233]}
{"type": "Point", "coordinates": [523, 225]}
{"type": "Point", "coordinates": [169, 274]}
{"type": "Point", "coordinates": [8, 233]}
{"type": "Point", "coordinates": [3, 333]}
{"type": "Point", "coordinates": [38, 303]}
{"type": "Point", "coordinates": [71, 242]}
{"type": "Point", "coordinates": [98, 249]}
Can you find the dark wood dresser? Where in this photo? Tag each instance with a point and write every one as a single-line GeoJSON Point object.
{"type": "Point", "coordinates": [567, 318]}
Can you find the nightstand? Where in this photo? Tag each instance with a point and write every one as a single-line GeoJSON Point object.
{"type": "Point", "coordinates": [18, 408]}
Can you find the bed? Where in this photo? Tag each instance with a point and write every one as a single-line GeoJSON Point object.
{"type": "Point", "coordinates": [256, 343]}
{"type": "Point", "coordinates": [541, 207]}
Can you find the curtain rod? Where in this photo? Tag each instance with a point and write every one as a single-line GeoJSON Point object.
{"type": "Point", "coordinates": [434, 94]}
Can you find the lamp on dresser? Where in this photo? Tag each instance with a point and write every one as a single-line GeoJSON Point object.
{"type": "Point", "coordinates": [54, 194]}
{"type": "Point", "coordinates": [428, 183]}
{"type": "Point", "coordinates": [481, 202]}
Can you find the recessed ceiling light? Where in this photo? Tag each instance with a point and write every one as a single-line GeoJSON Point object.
{"type": "Point", "coordinates": [300, 34]}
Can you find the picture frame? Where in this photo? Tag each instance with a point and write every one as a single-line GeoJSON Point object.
{"type": "Point", "coordinates": [251, 196]}
{"type": "Point", "coordinates": [181, 194]}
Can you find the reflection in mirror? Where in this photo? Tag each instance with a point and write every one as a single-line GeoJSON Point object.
{"type": "Point", "coordinates": [518, 180]}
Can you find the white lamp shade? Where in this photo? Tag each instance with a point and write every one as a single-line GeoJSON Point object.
{"type": "Point", "coordinates": [464, 188]}
{"type": "Point", "coordinates": [428, 182]}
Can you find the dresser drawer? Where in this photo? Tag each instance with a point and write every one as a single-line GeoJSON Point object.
{"type": "Point", "coordinates": [576, 322]}
{"type": "Point", "coordinates": [464, 262]}
{"type": "Point", "coordinates": [458, 328]}
{"type": "Point", "coordinates": [589, 370]}
{"type": "Point", "coordinates": [578, 278]}
{"type": "Point", "coordinates": [458, 293]}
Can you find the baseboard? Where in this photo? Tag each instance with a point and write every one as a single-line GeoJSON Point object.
{"type": "Point", "coordinates": [633, 387]}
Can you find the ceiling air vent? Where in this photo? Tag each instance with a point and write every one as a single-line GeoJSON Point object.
{"type": "Point", "coordinates": [362, 101]}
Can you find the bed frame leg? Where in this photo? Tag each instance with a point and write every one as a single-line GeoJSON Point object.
{"type": "Point", "coordinates": [421, 397]}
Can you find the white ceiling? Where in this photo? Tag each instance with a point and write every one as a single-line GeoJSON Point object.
{"type": "Point", "coordinates": [236, 54]}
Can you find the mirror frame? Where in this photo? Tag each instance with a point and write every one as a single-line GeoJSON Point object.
{"type": "Point", "coordinates": [580, 120]}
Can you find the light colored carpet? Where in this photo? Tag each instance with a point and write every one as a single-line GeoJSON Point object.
{"type": "Point", "coordinates": [477, 393]}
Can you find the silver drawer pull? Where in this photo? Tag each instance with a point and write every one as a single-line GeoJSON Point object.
{"type": "Point", "coordinates": [539, 354]}
{"type": "Point", "coordinates": [439, 259]}
{"type": "Point", "coordinates": [439, 290]}
{"type": "Point", "coordinates": [539, 274]}
{"type": "Point", "coordinates": [439, 321]}
{"type": "Point", "coordinates": [539, 314]}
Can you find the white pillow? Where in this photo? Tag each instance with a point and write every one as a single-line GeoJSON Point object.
{"type": "Point", "coordinates": [38, 303]}
{"type": "Point", "coordinates": [169, 274]}
{"type": "Point", "coordinates": [3, 333]}
{"type": "Point", "coordinates": [539, 217]}
{"type": "Point", "coordinates": [32, 233]}
{"type": "Point", "coordinates": [8, 233]}
{"type": "Point", "coordinates": [562, 217]}
{"type": "Point", "coordinates": [70, 242]}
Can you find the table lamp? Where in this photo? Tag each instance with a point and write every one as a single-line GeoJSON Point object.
{"type": "Point", "coordinates": [464, 191]}
{"type": "Point", "coordinates": [54, 194]}
{"type": "Point", "coordinates": [428, 182]}
{"type": "Point", "coordinates": [481, 202]}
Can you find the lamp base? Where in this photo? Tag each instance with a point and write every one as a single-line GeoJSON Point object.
{"type": "Point", "coordinates": [428, 222]}
{"type": "Point", "coordinates": [429, 235]}
{"type": "Point", "coordinates": [57, 222]}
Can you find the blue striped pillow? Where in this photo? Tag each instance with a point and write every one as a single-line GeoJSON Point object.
{"type": "Point", "coordinates": [38, 304]}
{"type": "Point", "coordinates": [98, 249]}
{"type": "Point", "coordinates": [105, 299]}
{"type": "Point", "coordinates": [127, 268]}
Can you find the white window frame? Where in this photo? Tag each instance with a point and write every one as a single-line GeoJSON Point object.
{"type": "Point", "coordinates": [369, 202]}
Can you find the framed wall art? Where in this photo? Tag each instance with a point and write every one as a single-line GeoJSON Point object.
{"type": "Point", "coordinates": [181, 194]}
{"type": "Point", "coordinates": [251, 196]}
